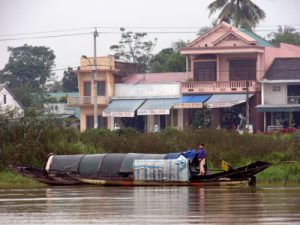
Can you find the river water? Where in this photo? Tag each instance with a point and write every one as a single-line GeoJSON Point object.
{"type": "Point", "coordinates": [150, 205]}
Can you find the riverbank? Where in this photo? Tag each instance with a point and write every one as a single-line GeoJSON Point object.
{"type": "Point", "coordinates": [10, 179]}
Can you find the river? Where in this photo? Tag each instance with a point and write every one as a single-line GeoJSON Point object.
{"type": "Point", "coordinates": [151, 205]}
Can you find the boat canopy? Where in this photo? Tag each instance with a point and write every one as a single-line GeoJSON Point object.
{"type": "Point", "coordinates": [101, 165]}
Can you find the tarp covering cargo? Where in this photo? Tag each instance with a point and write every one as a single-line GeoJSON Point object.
{"type": "Point", "coordinates": [65, 163]}
{"type": "Point", "coordinates": [161, 170]}
{"type": "Point", "coordinates": [90, 165]}
{"type": "Point", "coordinates": [127, 164]}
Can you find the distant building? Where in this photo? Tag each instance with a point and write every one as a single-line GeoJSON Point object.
{"type": "Point", "coordinates": [69, 115]}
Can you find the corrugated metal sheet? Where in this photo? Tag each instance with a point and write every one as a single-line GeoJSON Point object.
{"type": "Point", "coordinates": [226, 100]}
{"type": "Point", "coordinates": [122, 108]}
{"type": "Point", "coordinates": [161, 170]}
{"type": "Point", "coordinates": [278, 108]}
{"type": "Point", "coordinates": [157, 107]}
{"type": "Point", "coordinates": [90, 165]}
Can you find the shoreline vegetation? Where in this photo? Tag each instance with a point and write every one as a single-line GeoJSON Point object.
{"type": "Point", "coordinates": [29, 140]}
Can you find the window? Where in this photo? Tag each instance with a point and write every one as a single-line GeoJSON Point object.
{"type": "Point", "coordinates": [101, 88]}
{"type": "Point", "coordinates": [205, 71]}
{"type": "Point", "coordinates": [4, 99]}
{"type": "Point", "coordinates": [276, 88]}
{"type": "Point", "coordinates": [87, 88]}
{"type": "Point", "coordinates": [242, 69]}
{"type": "Point", "coordinates": [102, 122]}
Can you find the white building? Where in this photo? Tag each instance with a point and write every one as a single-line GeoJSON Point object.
{"type": "Point", "coordinates": [8, 101]}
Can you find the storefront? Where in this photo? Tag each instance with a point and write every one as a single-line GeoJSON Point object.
{"type": "Point", "coordinates": [229, 110]}
{"type": "Point", "coordinates": [158, 113]}
{"type": "Point", "coordinates": [280, 116]}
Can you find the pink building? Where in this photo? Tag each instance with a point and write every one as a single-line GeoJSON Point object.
{"type": "Point", "coordinates": [227, 64]}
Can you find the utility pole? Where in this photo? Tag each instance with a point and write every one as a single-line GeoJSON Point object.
{"type": "Point", "coordinates": [96, 34]}
{"type": "Point", "coordinates": [247, 107]}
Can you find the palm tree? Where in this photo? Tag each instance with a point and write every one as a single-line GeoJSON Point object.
{"type": "Point", "coordinates": [241, 13]}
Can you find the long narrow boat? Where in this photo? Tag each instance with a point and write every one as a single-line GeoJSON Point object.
{"type": "Point", "coordinates": [134, 169]}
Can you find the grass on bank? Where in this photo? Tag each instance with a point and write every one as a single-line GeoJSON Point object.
{"type": "Point", "coordinates": [9, 179]}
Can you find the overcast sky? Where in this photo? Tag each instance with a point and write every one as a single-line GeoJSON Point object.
{"type": "Point", "coordinates": [77, 19]}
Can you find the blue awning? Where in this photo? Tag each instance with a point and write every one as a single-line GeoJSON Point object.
{"type": "Point", "coordinates": [191, 101]}
{"type": "Point", "coordinates": [122, 108]}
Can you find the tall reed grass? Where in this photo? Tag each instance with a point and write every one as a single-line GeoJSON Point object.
{"type": "Point", "coordinates": [29, 140]}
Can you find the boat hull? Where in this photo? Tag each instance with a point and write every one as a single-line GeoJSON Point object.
{"type": "Point", "coordinates": [236, 176]}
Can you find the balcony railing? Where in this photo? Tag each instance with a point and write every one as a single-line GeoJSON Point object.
{"type": "Point", "coordinates": [219, 86]}
{"type": "Point", "coordinates": [293, 99]}
{"type": "Point", "coordinates": [87, 100]}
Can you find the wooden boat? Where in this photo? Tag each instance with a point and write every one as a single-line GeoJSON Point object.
{"type": "Point", "coordinates": [134, 169]}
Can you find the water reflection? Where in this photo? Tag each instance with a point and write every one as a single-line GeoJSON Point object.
{"type": "Point", "coordinates": [150, 205]}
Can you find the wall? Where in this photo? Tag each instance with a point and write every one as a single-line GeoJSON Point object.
{"type": "Point", "coordinates": [275, 97]}
{"type": "Point", "coordinates": [284, 51]}
{"type": "Point", "coordinates": [147, 90]}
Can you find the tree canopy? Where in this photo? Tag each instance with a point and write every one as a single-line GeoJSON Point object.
{"type": "Point", "coordinates": [28, 66]}
{"type": "Point", "coordinates": [69, 81]}
{"type": "Point", "coordinates": [240, 13]}
{"type": "Point", "coordinates": [285, 34]}
{"type": "Point", "coordinates": [27, 71]}
{"type": "Point", "coordinates": [134, 49]}
{"type": "Point", "coordinates": [169, 59]}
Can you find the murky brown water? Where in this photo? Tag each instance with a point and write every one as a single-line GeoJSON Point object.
{"type": "Point", "coordinates": [150, 205]}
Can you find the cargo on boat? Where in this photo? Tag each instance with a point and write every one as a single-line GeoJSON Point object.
{"type": "Point", "coordinates": [132, 169]}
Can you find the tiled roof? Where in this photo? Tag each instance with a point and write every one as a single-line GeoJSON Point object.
{"type": "Point", "coordinates": [284, 69]}
{"type": "Point", "coordinates": [259, 40]}
{"type": "Point", "coordinates": [155, 77]}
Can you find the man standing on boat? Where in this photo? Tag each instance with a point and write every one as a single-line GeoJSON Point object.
{"type": "Point", "coordinates": [202, 159]}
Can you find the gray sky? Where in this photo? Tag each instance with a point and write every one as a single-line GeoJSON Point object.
{"type": "Point", "coordinates": [78, 18]}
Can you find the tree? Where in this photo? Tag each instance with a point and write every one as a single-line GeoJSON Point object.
{"type": "Point", "coordinates": [286, 34]}
{"type": "Point", "coordinates": [241, 13]}
{"type": "Point", "coordinates": [169, 59]}
{"type": "Point", "coordinates": [27, 71]}
{"type": "Point", "coordinates": [28, 66]}
{"type": "Point", "coordinates": [132, 48]}
{"type": "Point", "coordinates": [69, 81]}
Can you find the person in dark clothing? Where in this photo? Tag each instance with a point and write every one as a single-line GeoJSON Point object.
{"type": "Point", "coordinates": [202, 159]}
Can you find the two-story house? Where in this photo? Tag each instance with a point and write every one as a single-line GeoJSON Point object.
{"type": "Point", "coordinates": [225, 65]}
{"type": "Point", "coordinates": [281, 94]}
{"type": "Point", "coordinates": [8, 101]}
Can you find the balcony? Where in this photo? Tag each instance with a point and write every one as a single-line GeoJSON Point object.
{"type": "Point", "coordinates": [198, 87]}
{"type": "Point", "coordinates": [87, 101]}
{"type": "Point", "coordinates": [293, 99]}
